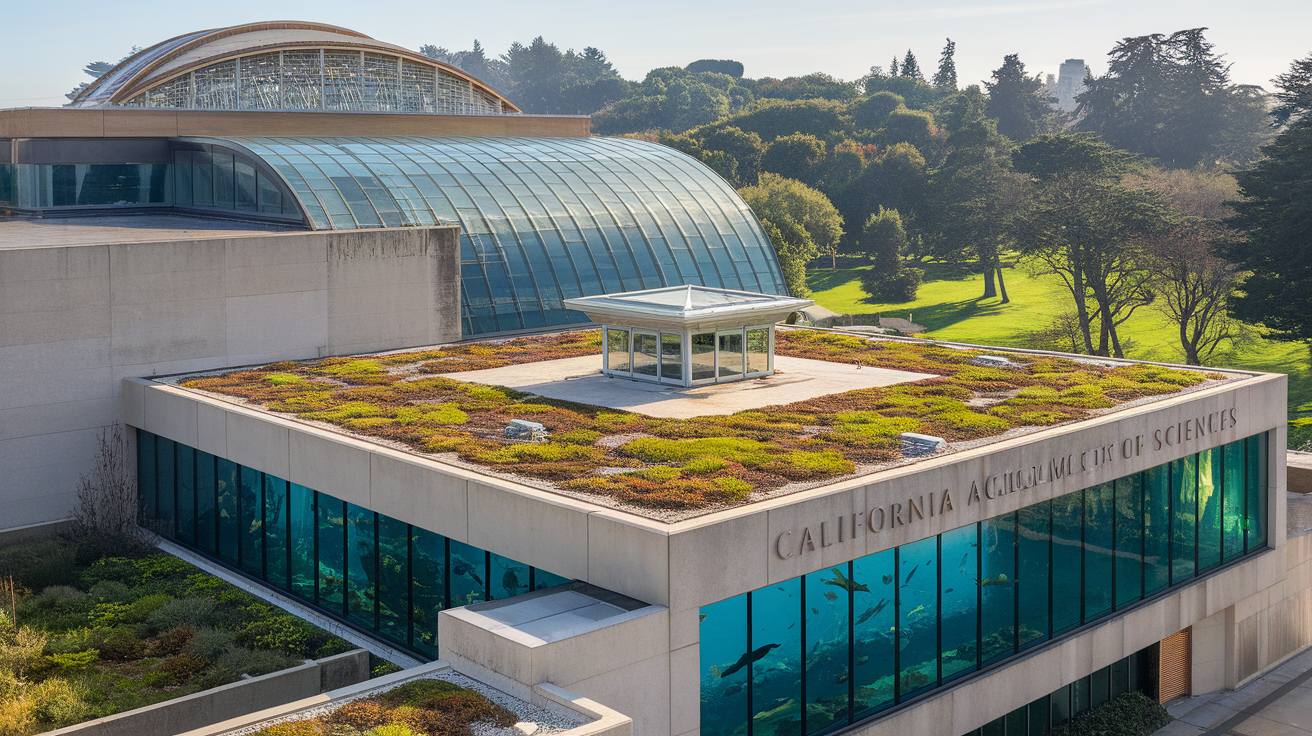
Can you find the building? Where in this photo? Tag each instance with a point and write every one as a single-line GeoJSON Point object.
{"type": "Point", "coordinates": [298, 292]}
{"type": "Point", "coordinates": [1070, 84]}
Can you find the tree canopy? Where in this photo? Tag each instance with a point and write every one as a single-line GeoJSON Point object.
{"type": "Point", "coordinates": [801, 223]}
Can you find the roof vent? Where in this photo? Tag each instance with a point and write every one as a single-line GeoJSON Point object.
{"type": "Point", "coordinates": [916, 445]}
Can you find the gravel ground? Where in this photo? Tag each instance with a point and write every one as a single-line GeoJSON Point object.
{"type": "Point", "coordinates": [547, 721]}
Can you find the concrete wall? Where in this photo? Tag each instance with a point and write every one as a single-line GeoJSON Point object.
{"type": "Point", "coordinates": [76, 320]}
{"type": "Point", "coordinates": [230, 701]}
{"type": "Point", "coordinates": [1300, 471]}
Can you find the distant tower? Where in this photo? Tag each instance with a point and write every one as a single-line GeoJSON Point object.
{"type": "Point", "coordinates": [1070, 82]}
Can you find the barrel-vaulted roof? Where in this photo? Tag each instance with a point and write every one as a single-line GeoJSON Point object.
{"type": "Point", "coordinates": [174, 59]}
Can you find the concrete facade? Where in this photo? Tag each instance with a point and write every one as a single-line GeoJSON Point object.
{"type": "Point", "coordinates": [76, 319]}
{"type": "Point", "coordinates": [685, 565]}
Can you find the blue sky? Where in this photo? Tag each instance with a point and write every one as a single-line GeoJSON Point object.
{"type": "Point", "coordinates": [44, 44]}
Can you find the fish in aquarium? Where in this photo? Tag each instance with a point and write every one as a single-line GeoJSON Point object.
{"type": "Point", "coordinates": [839, 679]}
{"type": "Point", "coordinates": [915, 610]}
{"type": "Point", "coordinates": [733, 690]}
{"type": "Point", "coordinates": [753, 656]}
{"type": "Point", "coordinates": [702, 617]}
{"type": "Point", "coordinates": [460, 566]}
{"type": "Point", "coordinates": [909, 576]}
{"type": "Point", "coordinates": [888, 579]}
{"type": "Point", "coordinates": [863, 660]}
{"type": "Point", "coordinates": [831, 595]}
{"type": "Point", "coordinates": [510, 581]}
{"type": "Point", "coordinates": [840, 580]}
{"type": "Point", "coordinates": [949, 590]}
{"type": "Point", "coordinates": [963, 560]}
{"type": "Point", "coordinates": [999, 579]}
{"type": "Point", "coordinates": [815, 610]}
{"type": "Point", "coordinates": [792, 624]}
{"type": "Point", "coordinates": [865, 616]}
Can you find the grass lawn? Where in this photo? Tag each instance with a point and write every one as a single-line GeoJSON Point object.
{"type": "Point", "coordinates": [949, 304]}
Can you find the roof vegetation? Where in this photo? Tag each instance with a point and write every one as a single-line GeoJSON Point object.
{"type": "Point", "coordinates": [682, 464]}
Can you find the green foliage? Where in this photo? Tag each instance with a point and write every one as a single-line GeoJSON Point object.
{"type": "Point", "coordinates": [884, 241]}
{"type": "Point", "coordinates": [801, 222]}
{"type": "Point", "coordinates": [39, 564]}
{"type": "Point", "coordinates": [194, 612]}
{"type": "Point", "coordinates": [798, 156]}
{"type": "Point", "coordinates": [872, 111]}
{"type": "Point", "coordinates": [1130, 714]}
{"type": "Point", "coordinates": [1019, 103]}
{"type": "Point", "coordinates": [653, 449]}
{"type": "Point", "coordinates": [584, 437]}
{"type": "Point", "coordinates": [431, 415]}
{"type": "Point", "coordinates": [75, 660]}
{"type": "Point", "coordinates": [717, 66]}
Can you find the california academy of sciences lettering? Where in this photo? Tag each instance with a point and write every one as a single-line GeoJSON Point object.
{"type": "Point", "coordinates": [491, 390]}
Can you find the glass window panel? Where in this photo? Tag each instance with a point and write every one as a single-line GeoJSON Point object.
{"type": "Point", "coordinates": [646, 354]}
{"type": "Point", "coordinates": [205, 518]}
{"type": "Point", "coordinates": [224, 181]}
{"type": "Point", "coordinates": [827, 645]}
{"type": "Point", "coordinates": [275, 531]}
{"type": "Point", "coordinates": [301, 80]}
{"type": "Point", "coordinates": [393, 579]}
{"type": "Point", "coordinates": [1129, 539]}
{"type": "Point", "coordinates": [361, 555]}
{"type": "Point", "coordinates": [758, 351]}
{"type": "Point", "coordinates": [302, 572]}
{"type": "Point", "coordinates": [146, 486]}
{"type": "Point", "coordinates": [331, 565]}
{"type": "Point", "coordinates": [1099, 687]}
{"type": "Point", "coordinates": [1255, 472]}
{"type": "Point", "coordinates": [202, 179]}
{"type": "Point", "coordinates": [427, 586]}
{"type": "Point", "coordinates": [1209, 508]}
{"type": "Point", "coordinates": [468, 574]}
{"type": "Point", "coordinates": [252, 522]}
{"type": "Point", "coordinates": [270, 196]}
{"type": "Point", "coordinates": [1016, 721]}
{"type": "Point", "coordinates": [1034, 523]}
{"type": "Point", "coordinates": [1184, 540]}
{"type": "Point", "coordinates": [995, 728]}
{"type": "Point", "coordinates": [226, 490]}
{"type": "Point", "coordinates": [725, 675]}
{"type": "Point", "coordinates": [874, 636]}
{"type": "Point", "coordinates": [166, 486]}
{"type": "Point", "coordinates": [1233, 499]}
{"type": "Point", "coordinates": [672, 357]}
{"type": "Point", "coordinates": [543, 579]}
{"type": "Point", "coordinates": [617, 346]}
{"type": "Point", "coordinates": [959, 610]}
{"type": "Point", "coordinates": [1099, 542]}
{"type": "Point", "coordinates": [1120, 677]}
{"type": "Point", "coordinates": [997, 585]}
{"type": "Point", "coordinates": [703, 356]}
{"type": "Point", "coordinates": [776, 685]}
{"type": "Point", "coordinates": [181, 179]}
{"type": "Point", "coordinates": [1039, 717]}
{"type": "Point", "coordinates": [1080, 692]}
{"type": "Point", "coordinates": [1067, 526]}
{"type": "Point", "coordinates": [507, 578]}
{"type": "Point", "coordinates": [1059, 705]}
{"type": "Point", "coordinates": [260, 82]}
{"type": "Point", "coordinates": [1156, 529]}
{"type": "Point", "coordinates": [729, 353]}
{"type": "Point", "coordinates": [918, 615]}
{"type": "Point", "coordinates": [186, 495]}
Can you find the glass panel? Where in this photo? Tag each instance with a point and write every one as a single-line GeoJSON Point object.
{"type": "Point", "coordinates": [1016, 722]}
{"type": "Point", "coordinates": [393, 579]}
{"type": "Point", "coordinates": [186, 480]}
{"type": "Point", "coordinates": [270, 196]}
{"type": "Point", "coordinates": [918, 615]}
{"type": "Point", "coordinates": [1032, 586]}
{"type": "Point", "coordinates": [997, 586]}
{"type": "Point", "coordinates": [229, 520]}
{"type": "Point", "coordinates": [645, 354]}
{"type": "Point", "coordinates": [361, 555]}
{"type": "Point", "coordinates": [1060, 705]}
{"type": "Point", "coordinates": [776, 686]}
{"type": "Point", "coordinates": [1156, 529]}
{"type": "Point", "coordinates": [617, 347]}
{"type": "Point", "coordinates": [960, 584]}
{"type": "Point", "coordinates": [252, 522]}
{"type": "Point", "coordinates": [1039, 717]}
{"type": "Point", "coordinates": [1209, 508]}
{"type": "Point", "coordinates": [1129, 539]}
{"type": "Point", "coordinates": [703, 356]}
{"type": "Point", "coordinates": [302, 540]}
{"type": "Point", "coordinates": [1184, 486]}
{"type": "Point", "coordinates": [730, 353]}
{"type": "Point", "coordinates": [1067, 525]}
{"type": "Point", "coordinates": [166, 486]}
{"type": "Point", "coordinates": [225, 188]}
{"type": "Point", "coordinates": [1079, 696]}
{"type": "Point", "coordinates": [1120, 677]}
{"type": "Point", "coordinates": [468, 574]}
{"type": "Point", "coordinates": [427, 585]}
{"type": "Point", "coordinates": [205, 518]}
{"type": "Point", "coordinates": [1099, 687]}
{"type": "Point", "coordinates": [874, 637]}
{"type": "Point", "coordinates": [725, 675]}
{"type": "Point", "coordinates": [758, 351]}
{"type": "Point", "coordinates": [1256, 473]}
{"type": "Point", "coordinates": [995, 728]}
{"type": "Point", "coordinates": [671, 357]}
{"type": "Point", "coordinates": [1232, 532]}
{"type": "Point", "coordinates": [146, 486]}
{"type": "Point", "coordinates": [543, 579]}
{"type": "Point", "coordinates": [275, 531]}
{"type": "Point", "coordinates": [332, 552]}
{"type": "Point", "coordinates": [827, 645]}
{"type": "Point", "coordinates": [1098, 545]}
{"type": "Point", "coordinates": [507, 578]}
{"type": "Point", "coordinates": [244, 180]}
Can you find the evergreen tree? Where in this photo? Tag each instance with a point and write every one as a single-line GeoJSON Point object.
{"type": "Point", "coordinates": [946, 76]}
{"type": "Point", "coordinates": [1275, 216]}
{"type": "Point", "coordinates": [910, 68]}
{"type": "Point", "coordinates": [884, 242]}
{"type": "Point", "coordinates": [1019, 103]}
{"type": "Point", "coordinates": [892, 68]}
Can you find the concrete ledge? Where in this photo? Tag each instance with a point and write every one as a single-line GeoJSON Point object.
{"type": "Point", "coordinates": [33, 531]}
{"type": "Point", "coordinates": [1298, 469]}
{"type": "Point", "coordinates": [229, 701]}
{"type": "Point", "coordinates": [605, 722]}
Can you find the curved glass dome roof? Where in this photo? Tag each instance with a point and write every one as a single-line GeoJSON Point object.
{"type": "Point", "coordinates": [290, 65]}
{"type": "Point", "coordinates": [541, 219]}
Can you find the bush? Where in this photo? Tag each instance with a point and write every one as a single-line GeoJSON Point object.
{"type": "Point", "coordinates": [192, 612]}
{"type": "Point", "coordinates": [892, 288]}
{"type": "Point", "coordinates": [1130, 714]}
{"type": "Point", "coordinates": [209, 644]}
{"type": "Point", "coordinates": [56, 702]}
{"type": "Point", "coordinates": [254, 662]}
{"type": "Point", "coordinates": [273, 629]}
{"type": "Point", "coordinates": [39, 564]}
{"type": "Point", "coordinates": [118, 643]}
{"type": "Point", "coordinates": [172, 641]}
{"type": "Point", "coordinates": [359, 714]}
{"type": "Point", "coordinates": [183, 667]}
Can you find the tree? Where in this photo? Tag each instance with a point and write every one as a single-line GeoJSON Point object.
{"type": "Point", "coordinates": [1089, 228]}
{"type": "Point", "coordinates": [800, 221]}
{"type": "Point", "coordinates": [745, 148]}
{"type": "Point", "coordinates": [1019, 103]}
{"type": "Point", "coordinates": [796, 156]}
{"type": "Point", "coordinates": [910, 68]}
{"type": "Point", "coordinates": [946, 76]}
{"type": "Point", "coordinates": [1275, 219]}
{"type": "Point", "coordinates": [1194, 285]}
{"type": "Point", "coordinates": [884, 242]}
{"type": "Point", "coordinates": [107, 494]}
{"type": "Point", "coordinates": [869, 113]}
{"type": "Point", "coordinates": [719, 66]}
{"type": "Point", "coordinates": [892, 68]}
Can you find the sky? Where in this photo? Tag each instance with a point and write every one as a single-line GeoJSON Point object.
{"type": "Point", "coordinates": [44, 45]}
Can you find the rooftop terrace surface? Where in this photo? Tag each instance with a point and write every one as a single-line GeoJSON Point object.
{"type": "Point", "coordinates": [62, 231]}
{"type": "Point", "coordinates": [674, 468]}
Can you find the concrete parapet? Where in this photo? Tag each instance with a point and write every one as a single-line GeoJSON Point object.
{"type": "Point", "coordinates": [1298, 467]}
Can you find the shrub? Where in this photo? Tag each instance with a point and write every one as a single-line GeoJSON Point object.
{"type": "Point", "coordinates": [56, 702]}
{"type": "Point", "coordinates": [414, 693]}
{"type": "Point", "coordinates": [359, 714]}
{"type": "Point", "coordinates": [273, 629]}
{"type": "Point", "coordinates": [140, 610]}
{"type": "Point", "coordinates": [191, 612]}
{"type": "Point", "coordinates": [209, 643]}
{"type": "Point", "coordinates": [182, 667]}
{"type": "Point", "coordinates": [75, 660]}
{"type": "Point", "coordinates": [172, 641]}
{"type": "Point", "coordinates": [1130, 714]}
{"type": "Point", "coordinates": [39, 564]}
{"type": "Point", "coordinates": [118, 643]}
{"type": "Point", "coordinates": [254, 662]}
{"type": "Point", "coordinates": [392, 729]}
